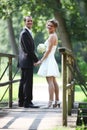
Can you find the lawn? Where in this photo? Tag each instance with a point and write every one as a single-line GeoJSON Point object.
{"type": "Point", "coordinates": [38, 81]}
{"type": "Point", "coordinates": [63, 128]}
{"type": "Point", "coordinates": [68, 128]}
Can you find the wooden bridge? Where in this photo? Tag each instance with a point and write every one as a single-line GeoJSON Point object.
{"type": "Point", "coordinates": [68, 85]}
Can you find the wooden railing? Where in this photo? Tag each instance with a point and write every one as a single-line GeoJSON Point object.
{"type": "Point", "coordinates": [10, 79]}
{"type": "Point", "coordinates": [67, 83]}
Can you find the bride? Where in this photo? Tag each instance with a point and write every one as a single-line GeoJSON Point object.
{"type": "Point", "coordinates": [48, 65]}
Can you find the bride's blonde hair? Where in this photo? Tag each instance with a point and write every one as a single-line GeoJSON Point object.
{"type": "Point", "coordinates": [54, 22]}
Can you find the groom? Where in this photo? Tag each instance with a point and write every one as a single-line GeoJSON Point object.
{"type": "Point", "coordinates": [26, 60]}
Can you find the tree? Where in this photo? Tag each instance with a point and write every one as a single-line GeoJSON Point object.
{"type": "Point", "coordinates": [8, 8]}
{"type": "Point", "coordinates": [71, 23]}
{"type": "Point", "coordinates": [11, 35]}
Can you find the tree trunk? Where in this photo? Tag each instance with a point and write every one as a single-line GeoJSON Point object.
{"type": "Point", "coordinates": [64, 36]}
{"type": "Point", "coordinates": [11, 36]}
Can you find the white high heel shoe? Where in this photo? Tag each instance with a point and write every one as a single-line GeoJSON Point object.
{"type": "Point", "coordinates": [56, 104]}
{"type": "Point", "coordinates": [50, 104]}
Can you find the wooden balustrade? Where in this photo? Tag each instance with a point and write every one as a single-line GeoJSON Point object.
{"type": "Point", "coordinates": [67, 83]}
{"type": "Point", "coordinates": [10, 80]}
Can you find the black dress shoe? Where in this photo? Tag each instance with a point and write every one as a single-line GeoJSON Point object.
{"type": "Point", "coordinates": [20, 104]}
{"type": "Point", "coordinates": [30, 106]}
{"type": "Point", "coordinates": [31, 103]}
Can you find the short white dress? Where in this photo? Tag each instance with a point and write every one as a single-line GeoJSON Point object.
{"type": "Point", "coordinates": [49, 66]}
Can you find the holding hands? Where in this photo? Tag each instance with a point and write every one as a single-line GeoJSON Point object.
{"type": "Point", "coordinates": [38, 63]}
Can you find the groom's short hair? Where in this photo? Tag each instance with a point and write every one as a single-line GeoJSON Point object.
{"type": "Point", "coordinates": [26, 17]}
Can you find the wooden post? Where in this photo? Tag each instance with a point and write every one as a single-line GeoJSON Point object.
{"type": "Point", "coordinates": [64, 74]}
{"type": "Point", "coordinates": [69, 101]}
{"type": "Point", "coordinates": [10, 79]}
{"type": "Point", "coordinates": [73, 87]}
{"type": "Point", "coordinates": [0, 65]}
{"type": "Point", "coordinates": [72, 93]}
{"type": "Point", "coordinates": [69, 79]}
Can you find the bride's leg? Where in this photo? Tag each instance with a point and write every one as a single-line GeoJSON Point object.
{"type": "Point", "coordinates": [56, 91]}
{"type": "Point", "coordinates": [50, 90]}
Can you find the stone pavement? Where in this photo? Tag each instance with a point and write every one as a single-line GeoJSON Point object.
{"type": "Point", "coordinates": [18, 118]}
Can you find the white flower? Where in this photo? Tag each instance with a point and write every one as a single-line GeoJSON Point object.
{"type": "Point", "coordinates": [41, 48]}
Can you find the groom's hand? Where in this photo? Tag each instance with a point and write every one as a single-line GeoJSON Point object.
{"type": "Point", "coordinates": [37, 63]}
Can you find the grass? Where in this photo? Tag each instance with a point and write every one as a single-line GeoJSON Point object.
{"type": "Point", "coordinates": [79, 95]}
{"type": "Point", "coordinates": [63, 128]}
{"type": "Point", "coordinates": [68, 128]}
{"type": "Point", "coordinates": [81, 128]}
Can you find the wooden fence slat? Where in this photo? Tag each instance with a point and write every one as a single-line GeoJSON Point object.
{"type": "Point", "coordinates": [64, 74]}
{"type": "Point", "coordinates": [8, 82]}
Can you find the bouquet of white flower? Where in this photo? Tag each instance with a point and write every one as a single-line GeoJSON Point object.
{"type": "Point", "coordinates": [41, 48]}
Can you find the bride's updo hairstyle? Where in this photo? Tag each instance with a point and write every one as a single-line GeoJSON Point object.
{"type": "Point", "coordinates": [54, 22]}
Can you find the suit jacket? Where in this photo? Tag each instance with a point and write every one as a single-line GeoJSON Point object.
{"type": "Point", "coordinates": [27, 55]}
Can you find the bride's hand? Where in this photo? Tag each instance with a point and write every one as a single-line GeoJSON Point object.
{"type": "Point", "coordinates": [37, 63]}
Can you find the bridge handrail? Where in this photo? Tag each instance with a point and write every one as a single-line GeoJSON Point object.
{"type": "Point", "coordinates": [67, 82]}
{"type": "Point", "coordinates": [7, 55]}
{"type": "Point", "coordinates": [10, 80]}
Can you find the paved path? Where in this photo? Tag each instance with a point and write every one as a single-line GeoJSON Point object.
{"type": "Point", "coordinates": [35, 119]}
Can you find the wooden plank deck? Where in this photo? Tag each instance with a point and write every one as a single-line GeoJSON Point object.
{"type": "Point", "coordinates": [18, 118]}
{"type": "Point", "coordinates": [33, 119]}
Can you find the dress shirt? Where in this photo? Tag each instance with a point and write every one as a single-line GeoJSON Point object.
{"type": "Point", "coordinates": [29, 30]}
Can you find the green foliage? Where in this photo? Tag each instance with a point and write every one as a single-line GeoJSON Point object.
{"type": "Point", "coordinates": [8, 7]}
{"type": "Point", "coordinates": [76, 22]}
{"type": "Point", "coordinates": [82, 66]}
{"type": "Point", "coordinates": [4, 41]}
{"type": "Point", "coordinates": [73, 11]}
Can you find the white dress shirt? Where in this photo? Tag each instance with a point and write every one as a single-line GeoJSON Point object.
{"type": "Point", "coordinates": [29, 31]}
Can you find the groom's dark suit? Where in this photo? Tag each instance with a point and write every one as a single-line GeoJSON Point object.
{"type": "Point", "coordinates": [26, 59]}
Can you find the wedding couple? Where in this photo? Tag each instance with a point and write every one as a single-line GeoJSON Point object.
{"type": "Point", "coordinates": [48, 65]}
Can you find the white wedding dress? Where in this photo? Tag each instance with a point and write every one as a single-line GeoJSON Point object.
{"type": "Point", "coordinates": [49, 66]}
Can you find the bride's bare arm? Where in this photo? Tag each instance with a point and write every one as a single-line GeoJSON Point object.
{"type": "Point", "coordinates": [51, 41]}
